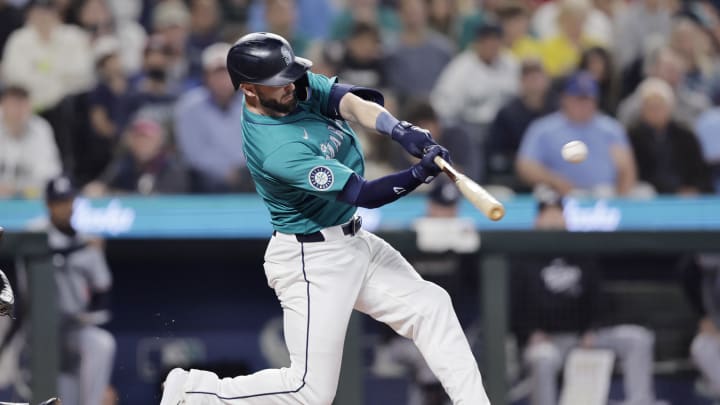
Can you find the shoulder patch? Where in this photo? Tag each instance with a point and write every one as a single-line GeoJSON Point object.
{"type": "Point", "coordinates": [321, 178]}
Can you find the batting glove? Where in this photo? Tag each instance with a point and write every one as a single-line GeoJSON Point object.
{"type": "Point", "coordinates": [426, 169]}
{"type": "Point", "coordinates": [7, 299]}
{"type": "Point", "coordinates": [413, 138]}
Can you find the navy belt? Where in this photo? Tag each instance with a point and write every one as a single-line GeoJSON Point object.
{"type": "Point", "coordinates": [350, 228]}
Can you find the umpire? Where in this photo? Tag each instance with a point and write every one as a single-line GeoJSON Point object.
{"type": "Point", "coordinates": [84, 281]}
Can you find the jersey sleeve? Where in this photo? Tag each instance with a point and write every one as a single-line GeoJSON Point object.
{"type": "Point", "coordinates": [320, 88]}
{"type": "Point", "coordinates": [297, 166]}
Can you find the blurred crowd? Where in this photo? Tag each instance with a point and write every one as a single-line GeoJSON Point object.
{"type": "Point", "coordinates": [132, 96]}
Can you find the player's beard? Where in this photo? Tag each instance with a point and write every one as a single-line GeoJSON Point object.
{"type": "Point", "coordinates": [279, 107]}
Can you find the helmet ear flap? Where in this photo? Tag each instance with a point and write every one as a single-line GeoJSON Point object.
{"type": "Point", "coordinates": [302, 88]}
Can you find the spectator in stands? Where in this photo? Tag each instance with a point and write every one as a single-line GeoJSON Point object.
{"type": "Point", "coordinates": [609, 168]}
{"type": "Point", "coordinates": [598, 62]}
{"type": "Point", "coordinates": [413, 66]}
{"type": "Point", "coordinates": [443, 17]}
{"type": "Point", "coordinates": [475, 84]}
{"type": "Point", "coordinates": [359, 58]}
{"type": "Point", "coordinates": [95, 16]}
{"type": "Point", "coordinates": [561, 51]}
{"type": "Point", "coordinates": [205, 25]}
{"type": "Point", "coordinates": [28, 154]}
{"type": "Point", "coordinates": [127, 10]}
{"type": "Point", "coordinates": [83, 283]}
{"type": "Point", "coordinates": [635, 28]}
{"type": "Point", "coordinates": [552, 17]}
{"type": "Point", "coordinates": [109, 108]}
{"type": "Point", "coordinates": [694, 46]}
{"type": "Point", "coordinates": [666, 64]}
{"type": "Point", "coordinates": [171, 21]}
{"type": "Point", "coordinates": [145, 166]}
{"type": "Point", "coordinates": [313, 17]}
{"type": "Point", "coordinates": [515, 21]}
{"type": "Point", "coordinates": [109, 101]}
{"type": "Point", "coordinates": [707, 128]}
{"type": "Point", "coordinates": [369, 12]}
{"type": "Point", "coordinates": [154, 91]}
{"type": "Point", "coordinates": [556, 307]}
{"type": "Point", "coordinates": [281, 17]}
{"type": "Point", "coordinates": [209, 132]}
{"type": "Point", "coordinates": [476, 14]}
{"type": "Point", "coordinates": [513, 119]}
{"type": "Point", "coordinates": [701, 279]}
{"type": "Point", "coordinates": [667, 153]}
{"type": "Point", "coordinates": [10, 20]}
{"type": "Point", "coordinates": [52, 61]}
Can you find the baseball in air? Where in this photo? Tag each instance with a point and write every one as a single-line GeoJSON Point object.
{"type": "Point", "coordinates": [574, 151]}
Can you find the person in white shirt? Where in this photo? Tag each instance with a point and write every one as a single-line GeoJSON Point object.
{"type": "Point", "coordinates": [28, 154]}
{"type": "Point", "coordinates": [50, 59]}
{"type": "Point", "coordinates": [475, 85]}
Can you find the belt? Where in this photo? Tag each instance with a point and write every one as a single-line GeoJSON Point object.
{"type": "Point", "coordinates": [351, 228]}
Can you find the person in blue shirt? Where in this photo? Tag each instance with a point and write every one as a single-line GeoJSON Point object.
{"type": "Point", "coordinates": [307, 164]}
{"type": "Point", "coordinates": [207, 123]}
{"type": "Point", "coordinates": [609, 168]}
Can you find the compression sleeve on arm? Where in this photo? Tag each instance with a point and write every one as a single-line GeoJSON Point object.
{"type": "Point", "coordinates": [376, 193]}
{"type": "Point", "coordinates": [339, 90]}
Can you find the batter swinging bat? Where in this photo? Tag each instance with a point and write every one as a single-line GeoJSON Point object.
{"type": "Point", "coordinates": [486, 203]}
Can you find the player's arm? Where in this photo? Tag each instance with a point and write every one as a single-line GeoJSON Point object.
{"type": "Point", "coordinates": [376, 193]}
{"type": "Point", "coordinates": [373, 116]}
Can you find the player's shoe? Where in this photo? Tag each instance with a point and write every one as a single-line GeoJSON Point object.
{"type": "Point", "coordinates": [174, 387]}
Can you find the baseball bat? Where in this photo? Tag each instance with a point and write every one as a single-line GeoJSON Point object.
{"type": "Point", "coordinates": [478, 196]}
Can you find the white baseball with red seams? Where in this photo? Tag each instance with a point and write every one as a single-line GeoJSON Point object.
{"type": "Point", "coordinates": [574, 151]}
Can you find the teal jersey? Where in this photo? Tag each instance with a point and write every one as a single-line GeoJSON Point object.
{"type": "Point", "coordinates": [302, 161]}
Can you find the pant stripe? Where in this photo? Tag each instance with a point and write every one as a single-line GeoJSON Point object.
{"type": "Point", "coordinates": [307, 344]}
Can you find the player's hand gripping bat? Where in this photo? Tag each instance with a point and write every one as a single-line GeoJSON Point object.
{"type": "Point", "coordinates": [478, 196]}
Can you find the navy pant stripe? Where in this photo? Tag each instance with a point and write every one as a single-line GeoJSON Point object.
{"type": "Point", "coordinates": [307, 344]}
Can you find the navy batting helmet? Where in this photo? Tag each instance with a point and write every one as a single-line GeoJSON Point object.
{"type": "Point", "coordinates": [264, 58]}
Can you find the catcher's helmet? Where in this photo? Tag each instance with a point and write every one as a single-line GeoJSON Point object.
{"type": "Point", "coordinates": [264, 58]}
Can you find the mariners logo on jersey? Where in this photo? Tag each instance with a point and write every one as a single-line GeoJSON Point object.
{"type": "Point", "coordinates": [321, 178]}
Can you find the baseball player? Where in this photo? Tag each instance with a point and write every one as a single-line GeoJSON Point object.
{"type": "Point", "coordinates": [83, 283]}
{"type": "Point", "coordinates": [307, 164]}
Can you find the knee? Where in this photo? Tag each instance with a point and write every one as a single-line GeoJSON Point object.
{"type": "Point", "coordinates": [435, 298]}
{"type": "Point", "coordinates": [543, 357]}
{"type": "Point", "coordinates": [100, 343]}
{"type": "Point", "coordinates": [702, 345]}
{"type": "Point", "coordinates": [636, 338]}
{"type": "Point", "coordinates": [317, 394]}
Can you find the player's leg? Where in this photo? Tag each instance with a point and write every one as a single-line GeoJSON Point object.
{"type": "Point", "coordinates": [705, 351]}
{"type": "Point", "coordinates": [97, 353]}
{"type": "Point", "coordinates": [633, 345]}
{"type": "Point", "coordinates": [395, 294]}
{"type": "Point", "coordinates": [545, 359]}
{"type": "Point", "coordinates": [316, 284]}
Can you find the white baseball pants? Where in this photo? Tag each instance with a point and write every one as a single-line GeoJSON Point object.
{"type": "Point", "coordinates": [318, 285]}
